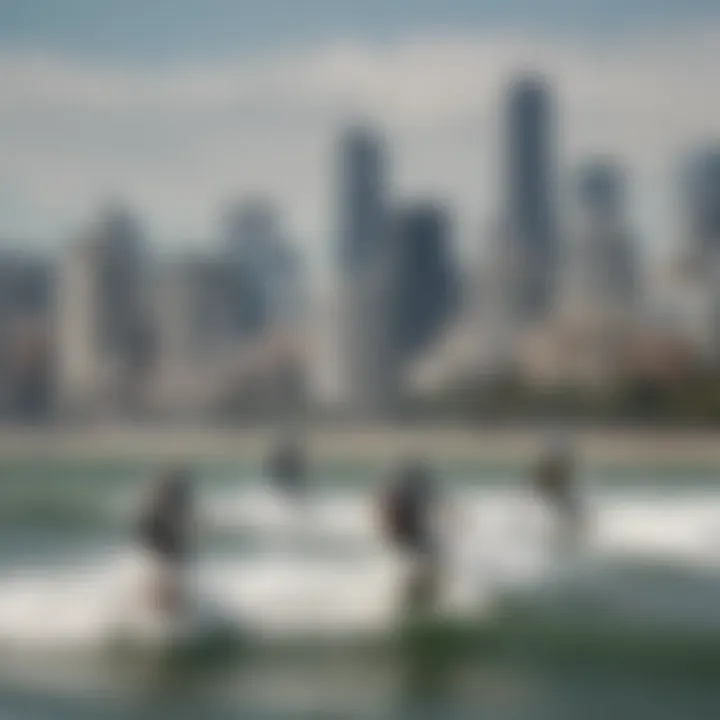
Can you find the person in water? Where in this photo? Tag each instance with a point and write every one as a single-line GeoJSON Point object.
{"type": "Point", "coordinates": [287, 467]}
{"type": "Point", "coordinates": [165, 534]}
{"type": "Point", "coordinates": [408, 508]}
{"type": "Point", "coordinates": [553, 479]}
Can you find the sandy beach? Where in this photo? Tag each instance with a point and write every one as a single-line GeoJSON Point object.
{"type": "Point", "coordinates": [366, 443]}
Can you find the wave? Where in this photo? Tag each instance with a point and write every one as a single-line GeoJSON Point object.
{"type": "Point", "coordinates": [251, 510]}
{"type": "Point", "coordinates": [595, 609]}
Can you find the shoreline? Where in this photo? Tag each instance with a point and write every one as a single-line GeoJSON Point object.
{"type": "Point", "coordinates": [357, 443]}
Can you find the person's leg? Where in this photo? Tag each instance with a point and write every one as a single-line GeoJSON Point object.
{"type": "Point", "coordinates": [423, 587]}
{"type": "Point", "coordinates": [167, 592]}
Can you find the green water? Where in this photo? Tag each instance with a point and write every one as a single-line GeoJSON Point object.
{"type": "Point", "coordinates": [520, 664]}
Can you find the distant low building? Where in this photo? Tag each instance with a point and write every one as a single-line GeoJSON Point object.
{"type": "Point", "coordinates": [204, 367]}
{"type": "Point", "coordinates": [584, 352]}
{"type": "Point", "coordinates": [27, 294]}
{"type": "Point", "coordinates": [193, 311]}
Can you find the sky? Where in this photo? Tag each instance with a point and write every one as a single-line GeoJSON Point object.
{"type": "Point", "coordinates": [181, 106]}
{"type": "Point", "coordinates": [182, 29]}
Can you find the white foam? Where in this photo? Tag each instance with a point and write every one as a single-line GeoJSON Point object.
{"type": "Point", "coordinates": [500, 540]}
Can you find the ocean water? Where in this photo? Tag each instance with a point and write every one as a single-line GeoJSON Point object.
{"type": "Point", "coordinates": [298, 609]}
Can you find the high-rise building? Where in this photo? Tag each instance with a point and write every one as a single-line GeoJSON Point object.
{"type": "Point", "coordinates": [26, 284]}
{"type": "Point", "coordinates": [601, 190]}
{"type": "Point", "coordinates": [701, 205]}
{"type": "Point", "coordinates": [367, 359]}
{"type": "Point", "coordinates": [530, 190]}
{"type": "Point", "coordinates": [603, 247]}
{"type": "Point", "coordinates": [250, 226]}
{"type": "Point", "coordinates": [597, 314]}
{"type": "Point", "coordinates": [81, 369]}
{"type": "Point", "coordinates": [701, 247]}
{"type": "Point", "coordinates": [26, 304]}
{"type": "Point", "coordinates": [425, 282]}
{"type": "Point", "coordinates": [363, 202]}
{"type": "Point", "coordinates": [265, 274]}
{"type": "Point", "coordinates": [104, 334]}
{"type": "Point", "coordinates": [193, 321]}
{"type": "Point", "coordinates": [121, 308]}
{"type": "Point", "coordinates": [192, 308]}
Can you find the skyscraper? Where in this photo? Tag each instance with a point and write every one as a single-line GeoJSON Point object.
{"type": "Point", "coordinates": [26, 309]}
{"type": "Point", "coordinates": [530, 189]}
{"type": "Point", "coordinates": [192, 308]}
{"type": "Point", "coordinates": [363, 213]}
{"type": "Point", "coordinates": [701, 204]}
{"type": "Point", "coordinates": [603, 253]}
{"type": "Point", "coordinates": [265, 283]}
{"type": "Point", "coordinates": [121, 306]}
{"type": "Point", "coordinates": [366, 356]}
{"type": "Point", "coordinates": [601, 190]}
{"type": "Point", "coordinates": [104, 337]}
{"type": "Point", "coordinates": [701, 245]}
{"type": "Point", "coordinates": [425, 282]}
{"type": "Point", "coordinates": [193, 330]}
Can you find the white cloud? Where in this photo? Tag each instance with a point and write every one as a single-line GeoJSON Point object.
{"type": "Point", "coordinates": [180, 140]}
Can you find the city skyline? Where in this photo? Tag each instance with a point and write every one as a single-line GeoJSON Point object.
{"type": "Point", "coordinates": [178, 141]}
{"type": "Point", "coordinates": [136, 331]}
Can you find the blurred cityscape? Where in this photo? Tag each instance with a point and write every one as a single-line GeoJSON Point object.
{"type": "Point", "coordinates": [561, 318]}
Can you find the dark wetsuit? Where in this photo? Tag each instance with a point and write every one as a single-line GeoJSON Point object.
{"type": "Point", "coordinates": [408, 507]}
{"type": "Point", "coordinates": [287, 469]}
{"type": "Point", "coordinates": [554, 482]}
{"type": "Point", "coordinates": [162, 535]}
{"type": "Point", "coordinates": [163, 527]}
